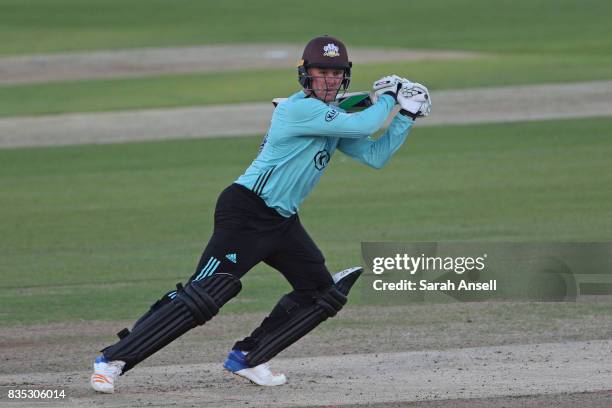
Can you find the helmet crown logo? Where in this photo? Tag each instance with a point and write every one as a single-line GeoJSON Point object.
{"type": "Point", "coordinates": [331, 50]}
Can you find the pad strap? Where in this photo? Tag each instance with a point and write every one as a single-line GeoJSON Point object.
{"type": "Point", "coordinates": [195, 304]}
{"type": "Point", "coordinates": [300, 318]}
{"type": "Point", "coordinates": [301, 321]}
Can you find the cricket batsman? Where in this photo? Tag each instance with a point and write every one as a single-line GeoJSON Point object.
{"type": "Point", "coordinates": [256, 219]}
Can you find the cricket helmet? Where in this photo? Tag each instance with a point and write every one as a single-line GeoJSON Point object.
{"type": "Point", "coordinates": [324, 52]}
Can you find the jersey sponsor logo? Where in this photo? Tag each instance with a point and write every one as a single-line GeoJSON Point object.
{"type": "Point", "coordinates": [331, 50]}
{"type": "Point", "coordinates": [331, 115]}
{"type": "Point", "coordinates": [321, 159]}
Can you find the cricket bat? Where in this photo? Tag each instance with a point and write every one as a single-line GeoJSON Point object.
{"type": "Point", "coordinates": [350, 101]}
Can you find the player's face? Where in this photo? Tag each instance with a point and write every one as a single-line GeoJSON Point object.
{"type": "Point", "coordinates": [326, 82]}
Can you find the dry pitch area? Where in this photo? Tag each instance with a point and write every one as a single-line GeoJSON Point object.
{"type": "Point", "coordinates": [394, 356]}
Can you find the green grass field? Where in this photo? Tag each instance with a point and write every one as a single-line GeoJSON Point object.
{"type": "Point", "coordinates": [94, 228]}
{"type": "Point", "coordinates": [536, 26]}
{"type": "Point", "coordinates": [525, 41]}
{"type": "Point", "coordinates": [98, 232]}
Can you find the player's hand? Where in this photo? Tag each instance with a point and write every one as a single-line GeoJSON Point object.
{"type": "Point", "coordinates": [414, 99]}
{"type": "Point", "coordinates": [388, 84]}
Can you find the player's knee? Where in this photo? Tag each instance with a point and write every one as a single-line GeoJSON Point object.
{"type": "Point", "coordinates": [327, 297]}
{"type": "Point", "coordinates": [203, 298]}
{"type": "Point", "coordinates": [193, 305]}
{"type": "Point", "coordinates": [331, 300]}
{"type": "Point", "coordinates": [298, 298]}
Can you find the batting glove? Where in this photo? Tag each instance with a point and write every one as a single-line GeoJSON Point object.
{"type": "Point", "coordinates": [414, 100]}
{"type": "Point", "coordinates": [386, 85]}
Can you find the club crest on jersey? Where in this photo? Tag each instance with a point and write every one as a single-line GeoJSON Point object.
{"type": "Point", "coordinates": [331, 50]}
{"type": "Point", "coordinates": [321, 159]}
{"type": "Point", "coordinates": [331, 115]}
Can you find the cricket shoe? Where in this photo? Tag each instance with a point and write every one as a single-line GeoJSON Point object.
{"type": "Point", "coordinates": [260, 375]}
{"type": "Point", "coordinates": [105, 374]}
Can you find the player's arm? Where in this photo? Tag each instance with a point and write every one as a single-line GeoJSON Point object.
{"type": "Point", "coordinates": [376, 153]}
{"type": "Point", "coordinates": [309, 117]}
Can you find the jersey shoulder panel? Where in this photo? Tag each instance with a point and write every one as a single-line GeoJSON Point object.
{"type": "Point", "coordinates": [299, 108]}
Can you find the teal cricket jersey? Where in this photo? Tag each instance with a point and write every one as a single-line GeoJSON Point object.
{"type": "Point", "coordinates": [303, 135]}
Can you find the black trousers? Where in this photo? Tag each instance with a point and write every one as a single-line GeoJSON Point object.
{"type": "Point", "coordinates": [247, 232]}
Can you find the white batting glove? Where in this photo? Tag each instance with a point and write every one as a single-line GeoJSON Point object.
{"type": "Point", "coordinates": [414, 98]}
{"type": "Point", "coordinates": [383, 85]}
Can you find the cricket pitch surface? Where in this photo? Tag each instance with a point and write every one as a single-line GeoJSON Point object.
{"type": "Point", "coordinates": [377, 357]}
